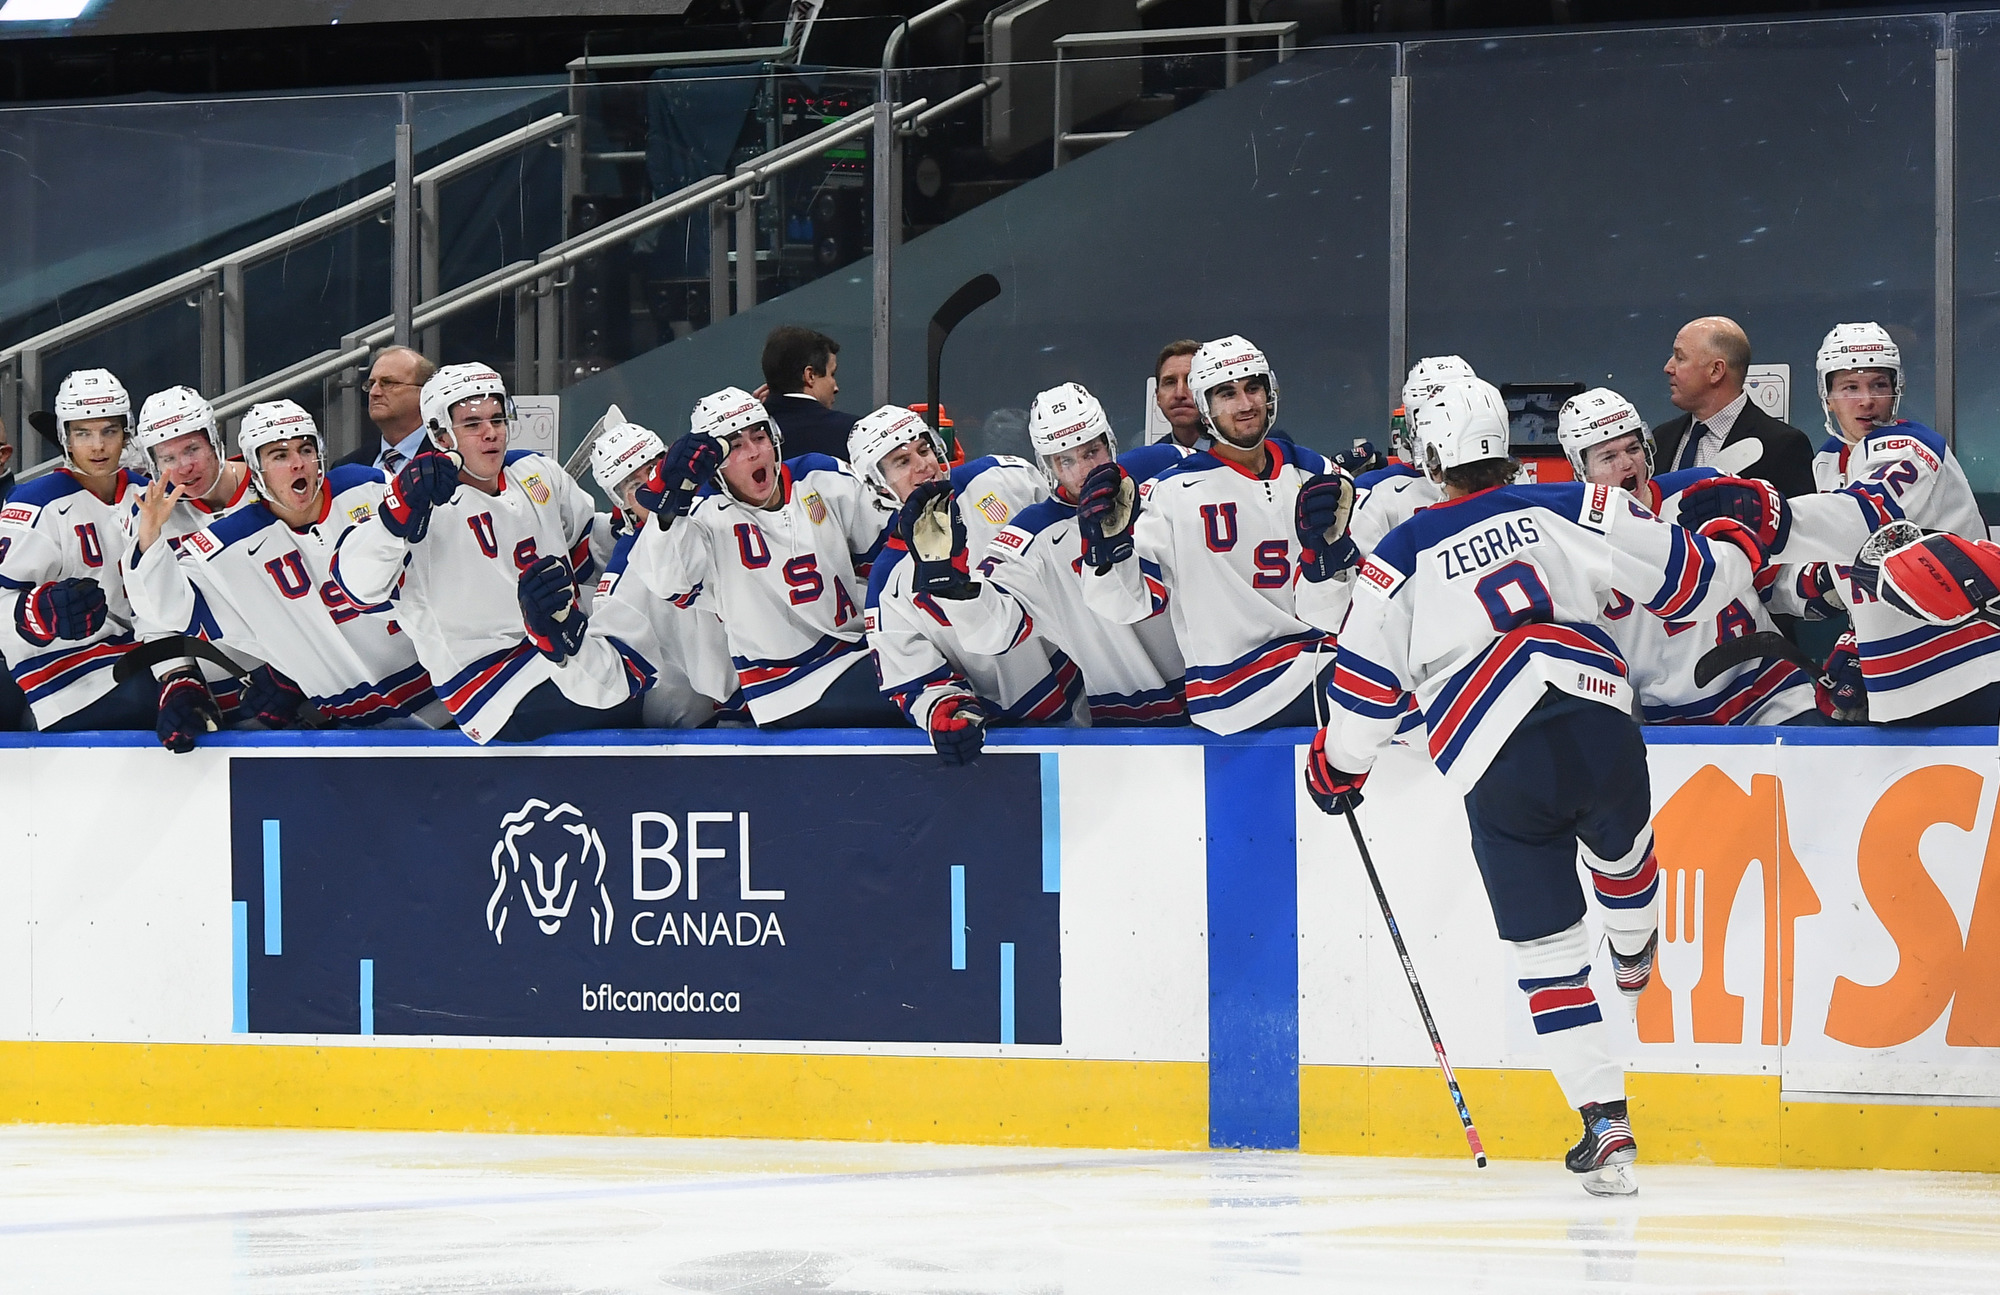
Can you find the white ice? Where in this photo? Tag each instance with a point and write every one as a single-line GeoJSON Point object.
{"type": "Point", "coordinates": [84, 1210]}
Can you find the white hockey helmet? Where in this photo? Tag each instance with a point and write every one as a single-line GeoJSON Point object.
{"type": "Point", "coordinates": [1064, 418]}
{"type": "Point", "coordinates": [726, 414]}
{"type": "Point", "coordinates": [1857, 346]}
{"type": "Point", "coordinates": [176, 412]}
{"type": "Point", "coordinates": [272, 421]}
{"type": "Point", "coordinates": [1427, 377]}
{"type": "Point", "coordinates": [452, 384]}
{"type": "Point", "coordinates": [877, 435]}
{"type": "Point", "coordinates": [1231, 359]}
{"type": "Point", "coordinates": [1599, 415]}
{"type": "Point", "coordinates": [89, 393]}
{"type": "Point", "coordinates": [1464, 423]}
{"type": "Point", "coordinates": [619, 451]}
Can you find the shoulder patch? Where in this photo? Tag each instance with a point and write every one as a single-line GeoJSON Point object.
{"type": "Point", "coordinates": [815, 506]}
{"type": "Point", "coordinates": [1381, 575]}
{"type": "Point", "coordinates": [202, 542]}
{"type": "Point", "coordinates": [538, 489]}
{"type": "Point", "coordinates": [1010, 538]}
{"type": "Point", "coordinates": [19, 514]}
{"type": "Point", "coordinates": [1904, 446]}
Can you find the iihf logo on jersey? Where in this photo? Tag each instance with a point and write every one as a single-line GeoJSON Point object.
{"type": "Point", "coordinates": [544, 852]}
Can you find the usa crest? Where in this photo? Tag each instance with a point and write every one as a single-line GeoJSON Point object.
{"type": "Point", "coordinates": [993, 510]}
{"type": "Point", "coordinates": [538, 490]}
{"type": "Point", "coordinates": [815, 507]}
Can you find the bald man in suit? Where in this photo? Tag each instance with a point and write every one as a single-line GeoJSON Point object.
{"type": "Point", "coordinates": [1705, 377]}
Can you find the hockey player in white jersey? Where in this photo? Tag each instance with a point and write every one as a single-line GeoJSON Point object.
{"type": "Point", "coordinates": [1874, 469]}
{"type": "Point", "coordinates": [1485, 609]}
{"type": "Point", "coordinates": [780, 549]}
{"type": "Point", "coordinates": [1388, 497]}
{"type": "Point", "coordinates": [1608, 445]}
{"type": "Point", "coordinates": [62, 540]}
{"type": "Point", "coordinates": [686, 646]}
{"type": "Point", "coordinates": [922, 580]}
{"type": "Point", "coordinates": [1238, 533]}
{"type": "Point", "coordinates": [259, 582]}
{"type": "Point", "coordinates": [479, 562]}
{"type": "Point", "coordinates": [1030, 578]}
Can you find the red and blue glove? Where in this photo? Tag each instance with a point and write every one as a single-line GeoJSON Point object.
{"type": "Point", "coordinates": [1332, 790]}
{"type": "Point", "coordinates": [549, 610]}
{"type": "Point", "coordinates": [934, 532]}
{"type": "Point", "coordinates": [958, 730]}
{"type": "Point", "coordinates": [1815, 586]}
{"type": "Point", "coordinates": [425, 481]}
{"type": "Point", "coordinates": [670, 489]}
{"type": "Point", "coordinates": [63, 609]}
{"type": "Point", "coordinates": [1843, 695]}
{"type": "Point", "coordinates": [1321, 515]}
{"type": "Point", "coordinates": [1942, 579]}
{"type": "Point", "coordinates": [1106, 509]}
{"type": "Point", "coordinates": [271, 698]}
{"type": "Point", "coordinates": [1753, 515]}
{"type": "Point", "coordinates": [186, 711]}
{"type": "Point", "coordinates": [1363, 457]}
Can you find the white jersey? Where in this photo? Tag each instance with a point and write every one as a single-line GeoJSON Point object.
{"type": "Point", "coordinates": [920, 654]}
{"type": "Point", "coordinates": [788, 582]}
{"type": "Point", "coordinates": [256, 586]}
{"type": "Point", "coordinates": [184, 519]}
{"type": "Point", "coordinates": [54, 528]}
{"type": "Point", "coordinates": [1479, 605]}
{"type": "Point", "coordinates": [1226, 549]}
{"type": "Point", "coordinates": [456, 593]}
{"type": "Point", "coordinates": [1903, 471]}
{"type": "Point", "coordinates": [686, 646]}
{"type": "Point", "coordinates": [1660, 655]}
{"type": "Point", "coordinates": [1383, 500]}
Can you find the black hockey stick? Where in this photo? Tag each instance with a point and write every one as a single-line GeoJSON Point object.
{"type": "Point", "coordinates": [45, 422]}
{"type": "Point", "coordinates": [175, 648]}
{"type": "Point", "coordinates": [1423, 1008]}
{"type": "Point", "coordinates": [1764, 645]}
{"type": "Point", "coordinates": [973, 294]}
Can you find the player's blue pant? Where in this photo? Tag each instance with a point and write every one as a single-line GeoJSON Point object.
{"type": "Point", "coordinates": [852, 701]}
{"type": "Point", "coordinates": [1574, 770]}
{"type": "Point", "coordinates": [546, 710]}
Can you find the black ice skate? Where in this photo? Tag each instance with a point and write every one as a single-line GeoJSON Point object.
{"type": "Point", "coordinates": [1636, 971]}
{"type": "Point", "coordinates": [1604, 1157]}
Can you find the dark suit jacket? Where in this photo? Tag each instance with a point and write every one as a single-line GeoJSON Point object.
{"type": "Point", "coordinates": [365, 456]}
{"type": "Point", "coordinates": [809, 427]}
{"type": "Point", "coordinates": [1788, 452]}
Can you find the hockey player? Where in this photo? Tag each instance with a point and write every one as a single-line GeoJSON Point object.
{"type": "Point", "coordinates": [479, 561]}
{"type": "Point", "coordinates": [1608, 445]}
{"type": "Point", "coordinates": [689, 653]}
{"type": "Point", "coordinates": [1388, 497]}
{"type": "Point", "coordinates": [1484, 609]}
{"type": "Point", "coordinates": [62, 542]}
{"type": "Point", "coordinates": [780, 549]}
{"type": "Point", "coordinates": [1875, 468]}
{"type": "Point", "coordinates": [1238, 534]}
{"type": "Point", "coordinates": [920, 581]}
{"type": "Point", "coordinates": [259, 582]}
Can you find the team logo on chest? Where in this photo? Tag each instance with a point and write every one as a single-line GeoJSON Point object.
{"type": "Point", "coordinates": [815, 507]}
{"type": "Point", "coordinates": [992, 509]}
{"type": "Point", "coordinates": [538, 490]}
{"type": "Point", "coordinates": [1218, 523]}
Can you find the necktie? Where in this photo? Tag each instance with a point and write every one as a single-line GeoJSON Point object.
{"type": "Point", "coordinates": [392, 458]}
{"type": "Point", "coordinates": [1691, 453]}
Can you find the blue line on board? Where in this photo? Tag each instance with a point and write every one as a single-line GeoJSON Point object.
{"type": "Point", "coordinates": [368, 995]}
{"type": "Point", "coordinates": [1006, 993]}
{"type": "Point", "coordinates": [239, 967]}
{"type": "Point", "coordinates": [1051, 823]}
{"type": "Point", "coordinates": [958, 917]}
{"type": "Point", "coordinates": [274, 901]}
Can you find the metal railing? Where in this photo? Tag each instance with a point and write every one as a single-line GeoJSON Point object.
{"type": "Point", "coordinates": [1285, 33]}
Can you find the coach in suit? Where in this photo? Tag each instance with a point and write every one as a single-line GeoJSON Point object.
{"type": "Point", "coordinates": [799, 366]}
{"type": "Point", "coordinates": [394, 382]}
{"type": "Point", "coordinates": [1705, 376]}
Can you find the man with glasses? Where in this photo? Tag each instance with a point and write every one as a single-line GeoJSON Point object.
{"type": "Point", "coordinates": [394, 384]}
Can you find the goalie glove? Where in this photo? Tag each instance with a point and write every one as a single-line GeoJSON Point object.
{"type": "Point", "coordinates": [1943, 579]}
{"type": "Point", "coordinates": [1867, 569]}
{"type": "Point", "coordinates": [958, 730]}
{"type": "Point", "coordinates": [1321, 515]}
{"type": "Point", "coordinates": [931, 528]}
{"type": "Point", "coordinates": [1106, 509]}
{"type": "Point", "coordinates": [186, 711]}
{"type": "Point", "coordinates": [549, 610]}
{"type": "Point", "coordinates": [1332, 790]}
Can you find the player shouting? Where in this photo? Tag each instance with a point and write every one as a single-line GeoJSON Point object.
{"type": "Point", "coordinates": [780, 550]}
{"type": "Point", "coordinates": [1484, 609]}
{"type": "Point", "coordinates": [921, 581]}
{"type": "Point", "coordinates": [465, 553]}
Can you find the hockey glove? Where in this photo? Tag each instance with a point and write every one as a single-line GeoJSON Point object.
{"type": "Point", "coordinates": [1943, 579]}
{"type": "Point", "coordinates": [1106, 509]}
{"type": "Point", "coordinates": [1364, 457]}
{"type": "Point", "coordinates": [64, 609]}
{"type": "Point", "coordinates": [1817, 590]}
{"type": "Point", "coordinates": [271, 699]}
{"type": "Point", "coordinates": [670, 488]}
{"type": "Point", "coordinates": [1867, 569]}
{"type": "Point", "coordinates": [1333, 791]}
{"type": "Point", "coordinates": [426, 481]}
{"type": "Point", "coordinates": [1843, 693]}
{"type": "Point", "coordinates": [1758, 507]}
{"type": "Point", "coordinates": [187, 710]}
{"type": "Point", "coordinates": [549, 610]}
{"type": "Point", "coordinates": [1324, 508]}
{"type": "Point", "coordinates": [958, 730]}
{"type": "Point", "coordinates": [934, 532]}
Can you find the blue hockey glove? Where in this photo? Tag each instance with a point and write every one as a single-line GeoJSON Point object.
{"type": "Point", "coordinates": [1364, 457]}
{"type": "Point", "coordinates": [271, 698]}
{"type": "Point", "coordinates": [1333, 791]}
{"type": "Point", "coordinates": [1758, 516]}
{"type": "Point", "coordinates": [549, 610]}
{"type": "Point", "coordinates": [1843, 693]}
{"type": "Point", "coordinates": [186, 711]}
{"type": "Point", "coordinates": [64, 609]}
{"type": "Point", "coordinates": [934, 532]}
{"type": "Point", "coordinates": [1816, 588]}
{"type": "Point", "coordinates": [1106, 509]}
{"type": "Point", "coordinates": [958, 730]}
{"type": "Point", "coordinates": [1321, 514]}
{"type": "Point", "coordinates": [670, 488]}
{"type": "Point", "coordinates": [425, 481]}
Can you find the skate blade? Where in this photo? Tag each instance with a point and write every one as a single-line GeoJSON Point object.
{"type": "Point", "coordinates": [1611, 1180]}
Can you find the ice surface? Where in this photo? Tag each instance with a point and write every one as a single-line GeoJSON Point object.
{"type": "Point", "coordinates": [164, 1210]}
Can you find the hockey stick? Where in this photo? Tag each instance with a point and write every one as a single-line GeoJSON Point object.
{"type": "Point", "coordinates": [174, 648]}
{"type": "Point", "coordinates": [45, 422]}
{"type": "Point", "coordinates": [579, 458]}
{"type": "Point", "coordinates": [1761, 646]}
{"type": "Point", "coordinates": [1423, 1008]}
{"type": "Point", "coordinates": [973, 294]}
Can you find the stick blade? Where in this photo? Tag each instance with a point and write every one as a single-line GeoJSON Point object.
{"type": "Point", "coordinates": [1735, 460]}
{"type": "Point", "coordinates": [45, 422]}
{"type": "Point", "coordinates": [1751, 647]}
{"type": "Point", "coordinates": [971, 295]}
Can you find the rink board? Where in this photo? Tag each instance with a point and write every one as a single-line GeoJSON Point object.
{"type": "Point", "coordinates": [1091, 939]}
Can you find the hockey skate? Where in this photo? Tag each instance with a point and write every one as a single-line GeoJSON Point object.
{"type": "Point", "coordinates": [1636, 971]}
{"type": "Point", "coordinates": [1604, 1157]}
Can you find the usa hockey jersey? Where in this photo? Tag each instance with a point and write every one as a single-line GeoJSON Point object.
{"type": "Point", "coordinates": [920, 654]}
{"type": "Point", "coordinates": [456, 593]}
{"type": "Point", "coordinates": [789, 583]}
{"type": "Point", "coordinates": [1478, 605]}
{"type": "Point", "coordinates": [1660, 655]}
{"type": "Point", "coordinates": [253, 584]}
{"type": "Point", "coordinates": [1222, 540]}
{"type": "Point", "coordinates": [184, 519]}
{"type": "Point", "coordinates": [686, 646]}
{"type": "Point", "coordinates": [55, 528]}
{"type": "Point", "coordinates": [1900, 472]}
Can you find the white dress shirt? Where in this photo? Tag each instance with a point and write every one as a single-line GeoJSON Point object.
{"type": "Point", "coordinates": [1718, 429]}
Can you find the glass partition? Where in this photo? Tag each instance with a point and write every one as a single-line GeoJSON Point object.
{"type": "Point", "coordinates": [1976, 303]}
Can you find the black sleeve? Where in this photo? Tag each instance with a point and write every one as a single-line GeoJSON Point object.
{"type": "Point", "coordinates": [1787, 461]}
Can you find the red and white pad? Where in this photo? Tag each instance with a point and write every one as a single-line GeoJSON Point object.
{"type": "Point", "coordinates": [1942, 578]}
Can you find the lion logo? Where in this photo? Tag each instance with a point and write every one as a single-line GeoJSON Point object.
{"type": "Point", "coordinates": [547, 851]}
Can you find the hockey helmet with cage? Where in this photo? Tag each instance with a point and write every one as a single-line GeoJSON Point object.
{"type": "Point", "coordinates": [173, 413]}
{"type": "Point", "coordinates": [1427, 377]}
{"type": "Point", "coordinates": [1067, 418]}
{"type": "Point", "coordinates": [87, 394]}
{"type": "Point", "coordinates": [271, 422]}
{"type": "Point", "coordinates": [1231, 359]}
{"type": "Point", "coordinates": [1856, 346]}
{"type": "Point", "coordinates": [1464, 423]}
{"type": "Point", "coordinates": [1597, 416]}
{"type": "Point", "coordinates": [878, 435]}
{"type": "Point", "coordinates": [619, 451]}
{"type": "Point", "coordinates": [455, 383]}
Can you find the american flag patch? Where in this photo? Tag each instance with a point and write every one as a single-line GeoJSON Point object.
{"type": "Point", "coordinates": [993, 510]}
{"type": "Point", "coordinates": [537, 489]}
{"type": "Point", "coordinates": [815, 507]}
